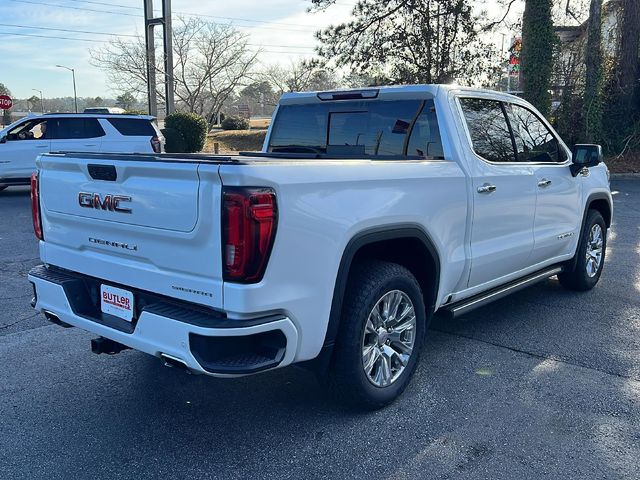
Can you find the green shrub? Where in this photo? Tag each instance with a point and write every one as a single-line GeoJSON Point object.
{"type": "Point", "coordinates": [192, 127]}
{"type": "Point", "coordinates": [235, 123]}
{"type": "Point", "coordinates": [174, 141]}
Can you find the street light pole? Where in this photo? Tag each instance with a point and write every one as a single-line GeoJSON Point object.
{"type": "Point", "coordinates": [75, 96]}
{"type": "Point", "coordinates": [41, 99]}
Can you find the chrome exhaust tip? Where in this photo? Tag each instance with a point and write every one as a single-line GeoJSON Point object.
{"type": "Point", "coordinates": [54, 319]}
{"type": "Point", "coordinates": [174, 362]}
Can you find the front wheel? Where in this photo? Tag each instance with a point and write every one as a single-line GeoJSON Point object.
{"type": "Point", "coordinates": [380, 336]}
{"type": "Point", "coordinates": [590, 255]}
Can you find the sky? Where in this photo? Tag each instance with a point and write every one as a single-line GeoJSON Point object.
{"type": "Point", "coordinates": [28, 58]}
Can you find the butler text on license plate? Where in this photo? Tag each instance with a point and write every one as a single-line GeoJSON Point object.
{"type": "Point", "coordinates": [117, 302]}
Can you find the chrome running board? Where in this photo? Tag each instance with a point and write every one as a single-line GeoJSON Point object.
{"type": "Point", "coordinates": [462, 307]}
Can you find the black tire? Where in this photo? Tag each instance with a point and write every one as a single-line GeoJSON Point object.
{"type": "Point", "coordinates": [368, 282]}
{"type": "Point", "coordinates": [577, 278]}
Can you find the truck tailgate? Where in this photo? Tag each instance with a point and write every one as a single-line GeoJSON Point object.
{"type": "Point", "coordinates": [144, 223]}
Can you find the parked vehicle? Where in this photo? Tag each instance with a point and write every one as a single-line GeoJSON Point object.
{"type": "Point", "coordinates": [112, 110]}
{"type": "Point", "coordinates": [367, 212]}
{"type": "Point", "coordinates": [22, 141]}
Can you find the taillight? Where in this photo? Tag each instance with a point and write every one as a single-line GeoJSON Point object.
{"type": "Point", "coordinates": [35, 206]}
{"type": "Point", "coordinates": [156, 145]}
{"type": "Point", "coordinates": [249, 219]}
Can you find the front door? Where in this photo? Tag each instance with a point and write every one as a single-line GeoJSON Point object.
{"type": "Point", "coordinates": [558, 207]}
{"type": "Point", "coordinates": [504, 196]}
{"type": "Point", "coordinates": [24, 143]}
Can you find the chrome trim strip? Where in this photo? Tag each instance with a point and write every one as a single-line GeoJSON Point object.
{"type": "Point", "coordinates": [465, 306]}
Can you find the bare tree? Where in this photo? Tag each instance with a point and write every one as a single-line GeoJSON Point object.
{"type": "Point", "coordinates": [303, 75]}
{"type": "Point", "coordinates": [124, 63]}
{"type": "Point", "coordinates": [211, 60]}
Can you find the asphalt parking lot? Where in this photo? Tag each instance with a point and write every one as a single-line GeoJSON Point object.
{"type": "Point", "coordinates": [543, 384]}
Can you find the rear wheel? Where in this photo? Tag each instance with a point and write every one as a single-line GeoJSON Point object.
{"type": "Point", "coordinates": [380, 337]}
{"type": "Point", "coordinates": [590, 255]}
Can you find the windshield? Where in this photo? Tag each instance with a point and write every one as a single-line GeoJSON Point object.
{"type": "Point", "coordinates": [358, 128]}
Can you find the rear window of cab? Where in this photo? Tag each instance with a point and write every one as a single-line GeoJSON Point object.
{"type": "Point", "coordinates": [401, 128]}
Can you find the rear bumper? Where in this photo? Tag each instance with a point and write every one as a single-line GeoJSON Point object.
{"type": "Point", "coordinates": [207, 343]}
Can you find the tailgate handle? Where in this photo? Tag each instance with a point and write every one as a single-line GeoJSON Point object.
{"type": "Point", "coordinates": [103, 172]}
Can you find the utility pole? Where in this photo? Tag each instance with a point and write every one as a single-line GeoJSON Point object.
{"type": "Point", "coordinates": [150, 23]}
{"type": "Point", "coordinates": [168, 57]}
{"type": "Point", "coordinates": [502, 58]}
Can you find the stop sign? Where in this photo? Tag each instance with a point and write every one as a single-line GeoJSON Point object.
{"type": "Point", "coordinates": [5, 102]}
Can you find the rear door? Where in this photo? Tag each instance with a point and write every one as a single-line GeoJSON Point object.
{"type": "Point", "coordinates": [135, 221]}
{"type": "Point", "coordinates": [504, 195]}
{"type": "Point", "coordinates": [75, 134]}
{"type": "Point", "coordinates": [558, 207]}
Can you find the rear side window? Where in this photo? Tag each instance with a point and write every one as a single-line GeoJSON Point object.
{"type": "Point", "coordinates": [357, 128]}
{"type": "Point", "coordinates": [133, 127]}
{"type": "Point", "coordinates": [489, 130]}
{"type": "Point", "coordinates": [70, 128]}
{"type": "Point", "coordinates": [534, 141]}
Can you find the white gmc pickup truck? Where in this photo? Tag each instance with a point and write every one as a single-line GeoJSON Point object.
{"type": "Point", "coordinates": [366, 212]}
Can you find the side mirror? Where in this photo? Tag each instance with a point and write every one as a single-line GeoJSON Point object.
{"type": "Point", "coordinates": [585, 156]}
{"type": "Point", "coordinates": [3, 139]}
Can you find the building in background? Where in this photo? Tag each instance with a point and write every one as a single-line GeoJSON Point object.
{"type": "Point", "coordinates": [569, 71]}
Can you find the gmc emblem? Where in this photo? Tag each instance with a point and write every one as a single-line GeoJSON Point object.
{"type": "Point", "coordinates": [109, 202]}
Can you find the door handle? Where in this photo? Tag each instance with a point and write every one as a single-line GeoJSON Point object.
{"type": "Point", "coordinates": [487, 188]}
{"type": "Point", "coordinates": [90, 145]}
{"type": "Point", "coordinates": [42, 146]}
{"type": "Point", "coordinates": [545, 182]}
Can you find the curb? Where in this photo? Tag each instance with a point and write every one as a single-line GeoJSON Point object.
{"type": "Point", "coordinates": [625, 176]}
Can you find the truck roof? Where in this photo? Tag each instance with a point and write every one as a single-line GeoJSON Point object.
{"type": "Point", "coordinates": [97, 115]}
{"type": "Point", "coordinates": [388, 92]}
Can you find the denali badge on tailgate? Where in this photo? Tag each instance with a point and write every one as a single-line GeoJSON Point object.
{"type": "Point", "coordinates": [109, 202]}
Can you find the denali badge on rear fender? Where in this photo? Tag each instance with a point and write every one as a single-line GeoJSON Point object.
{"type": "Point", "coordinates": [109, 202]}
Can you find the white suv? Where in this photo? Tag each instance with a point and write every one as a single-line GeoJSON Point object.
{"type": "Point", "coordinates": [22, 141]}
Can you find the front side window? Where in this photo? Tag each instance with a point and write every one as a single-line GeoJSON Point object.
{"type": "Point", "coordinates": [534, 141]}
{"type": "Point", "coordinates": [357, 128]}
{"type": "Point", "coordinates": [488, 128]}
{"type": "Point", "coordinates": [30, 130]}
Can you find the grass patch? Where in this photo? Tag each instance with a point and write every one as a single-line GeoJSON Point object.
{"type": "Point", "coordinates": [234, 141]}
{"type": "Point", "coordinates": [260, 122]}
